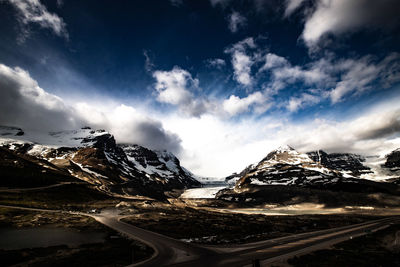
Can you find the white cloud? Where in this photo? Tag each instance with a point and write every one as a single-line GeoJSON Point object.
{"type": "Point", "coordinates": [341, 16]}
{"type": "Point", "coordinates": [60, 3]}
{"type": "Point", "coordinates": [230, 145]}
{"type": "Point", "coordinates": [33, 11]}
{"type": "Point", "coordinates": [172, 86]}
{"type": "Point", "coordinates": [380, 124]}
{"type": "Point", "coordinates": [241, 61]}
{"type": "Point", "coordinates": [292, 6]}
{"type": "Point", "coordinates": [291, 74]}
{"type": "Point", "coordinates": [334, 77]}
{"type": "Point", "coordinates": [216, 147]}
{"type": "Point", "coordinates": [236, 21]}
{"type": "Point", "coordinates": [273, 61]}
{"type": "Point", "coordinates": [216, 63]}
{"type": "Point", "coordinates": [235, 105]}
{"type": "Point", "coordinates": [176, 3]}
{"type": "Point", "coordinates": [359, 75]}
{"type": "Point", "coordinates": [219, 2]}
{"type": "Point", "coordinates": [130, 125]}
{"type": "Point", "coordinates": [283, 73]}
{"type": "Point", "coordinates": [328, 77]}
{"type": "Point", "coordinates": [148, 63]}
{"type": "Point", "coordinates": [242, 66]}
{"type": "Point", "coordinates": [373, 133]}
{"type": "Point", "coordinates": [296, 103]}
{"type": "Point", "coordinates": [176, 87]}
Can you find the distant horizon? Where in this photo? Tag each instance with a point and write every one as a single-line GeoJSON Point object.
{"type": "Point", "coordinates": [219, 83]}
{"type": "Point", "coordinates": [41, 140]}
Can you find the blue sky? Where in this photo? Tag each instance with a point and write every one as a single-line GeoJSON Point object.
{"type": "Point", "coordinates": [218, 82]}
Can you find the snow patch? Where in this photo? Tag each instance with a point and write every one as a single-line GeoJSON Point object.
{"type": "Point", "coordinates": [204, 192]}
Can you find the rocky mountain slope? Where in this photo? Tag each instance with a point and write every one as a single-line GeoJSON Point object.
{"type": "Point", "coordinates": [234, 177]}
{"type": "Point", "coordinates": [287, 176]}
{"type": "Point", "coordinates": [392, 166]}
{"type": "Point", "coordinates": [347, 163]}
{"type": "Point", "coordinates": [286, 166]}
{"type": "Point", "coordinates": [285, 162]}
{"type": "Point", "coordinates": [393, 160]}
{"type": "Point", "coordinates": [94, 157]}
{"type": "Point", "coordinates": [160, 164]}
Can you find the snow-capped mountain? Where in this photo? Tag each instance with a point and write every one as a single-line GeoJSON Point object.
{"type": "Point", "coordinates": [287, 176]}
{"type": "Point", "coordinates": [286, 166]}
{"type": "Point", "coordinates": [350, 165]}
{"type": "Point", "coordinates": [393, 160]}
{"type": "Point", "coordinates": [391, 166]}
{"type": "Point", "coordinates": [234, 177]}
{"type": "Point", "coordinates": [94, 157]}
{"type": "Point", "coordinates": [159, 164]}
{"type": "Point", "coordinates": [374, 168]}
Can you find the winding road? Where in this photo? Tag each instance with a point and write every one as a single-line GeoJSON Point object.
{"type": "Point", "coordinates": [19, 190]}
{"type": "Point", "coordinates": [172, 252]}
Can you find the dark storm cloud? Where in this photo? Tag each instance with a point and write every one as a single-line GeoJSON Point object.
{"type": "Point", "coordinates": [24, 104]}
{"type": "Point", "coordinates": [388, 124]}
{"type": "Point", "coordinates": [151, 134]}
{"type": "Point", "coordinates": [342, 16]}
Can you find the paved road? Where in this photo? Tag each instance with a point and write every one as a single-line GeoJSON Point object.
{"type": "Point", "coordinates": [172, 252]}
{"type": "Point", "coordinates": [167, 250]}
{"type": "Point", "coordinates": [19, 190]}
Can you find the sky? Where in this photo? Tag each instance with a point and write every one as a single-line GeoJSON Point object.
{"type": "Point", "coordinates": [219, 83]}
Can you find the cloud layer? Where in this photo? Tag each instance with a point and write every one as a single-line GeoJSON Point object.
{"type": "Point", "coordinates": [177, 87]}
{"type": "Point", "coordinates": [25, 104]}
{"type": "Point", "coordinates": [236, 21]}
{"type": "Point", "coordinates": [341, 16]}
{"type": "Point", "coordinates": [34, 12]}
{"type": "Point", "coordinates": [242, 61]}
{"type": "Point", "coordinates": [217, 147]}
{"type": "Point", "coordinates": [209, 144]}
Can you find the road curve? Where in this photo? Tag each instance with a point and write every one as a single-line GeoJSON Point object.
{"type": "Point", "coordinates": [172, 252]}
{"type": "Point", "coordinates": [167, 250]}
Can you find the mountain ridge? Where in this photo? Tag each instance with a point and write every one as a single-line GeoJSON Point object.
{"type": "Point", "coordinates": [348, 165]}
{"type": "Point", "coordinates": [93, 156]}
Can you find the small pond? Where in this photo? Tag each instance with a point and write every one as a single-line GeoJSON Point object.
{"type": "Point", "coordinates": [12, 238]}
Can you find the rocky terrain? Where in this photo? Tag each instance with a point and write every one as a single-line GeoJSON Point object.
{"type": "Point", "coordinates": [286, 166]}
{"type": "Point", "coordinates": [393, 159]}
{"type": "Point", "coordinates": [346, 163]}
{"type": "Point", "coordinates": [287, 176]}
{"type": "Point", "coordinates": [92, 156]}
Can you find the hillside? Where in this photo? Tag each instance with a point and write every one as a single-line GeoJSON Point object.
{"type": "Point", "coordinates": [92, 156]}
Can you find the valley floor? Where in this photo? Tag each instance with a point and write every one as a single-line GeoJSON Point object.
{"type": "Point", "coordinates": [210, 226]}
{"type": "Point", "coordinates": [196, 221]}
{"type": "Point", "coordinates": [376, 249]}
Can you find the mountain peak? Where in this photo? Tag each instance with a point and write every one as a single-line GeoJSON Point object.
{"type": "Point", "coordinates": [284, 148]}
{"type": "Point", "coordinates": [285, 154]}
